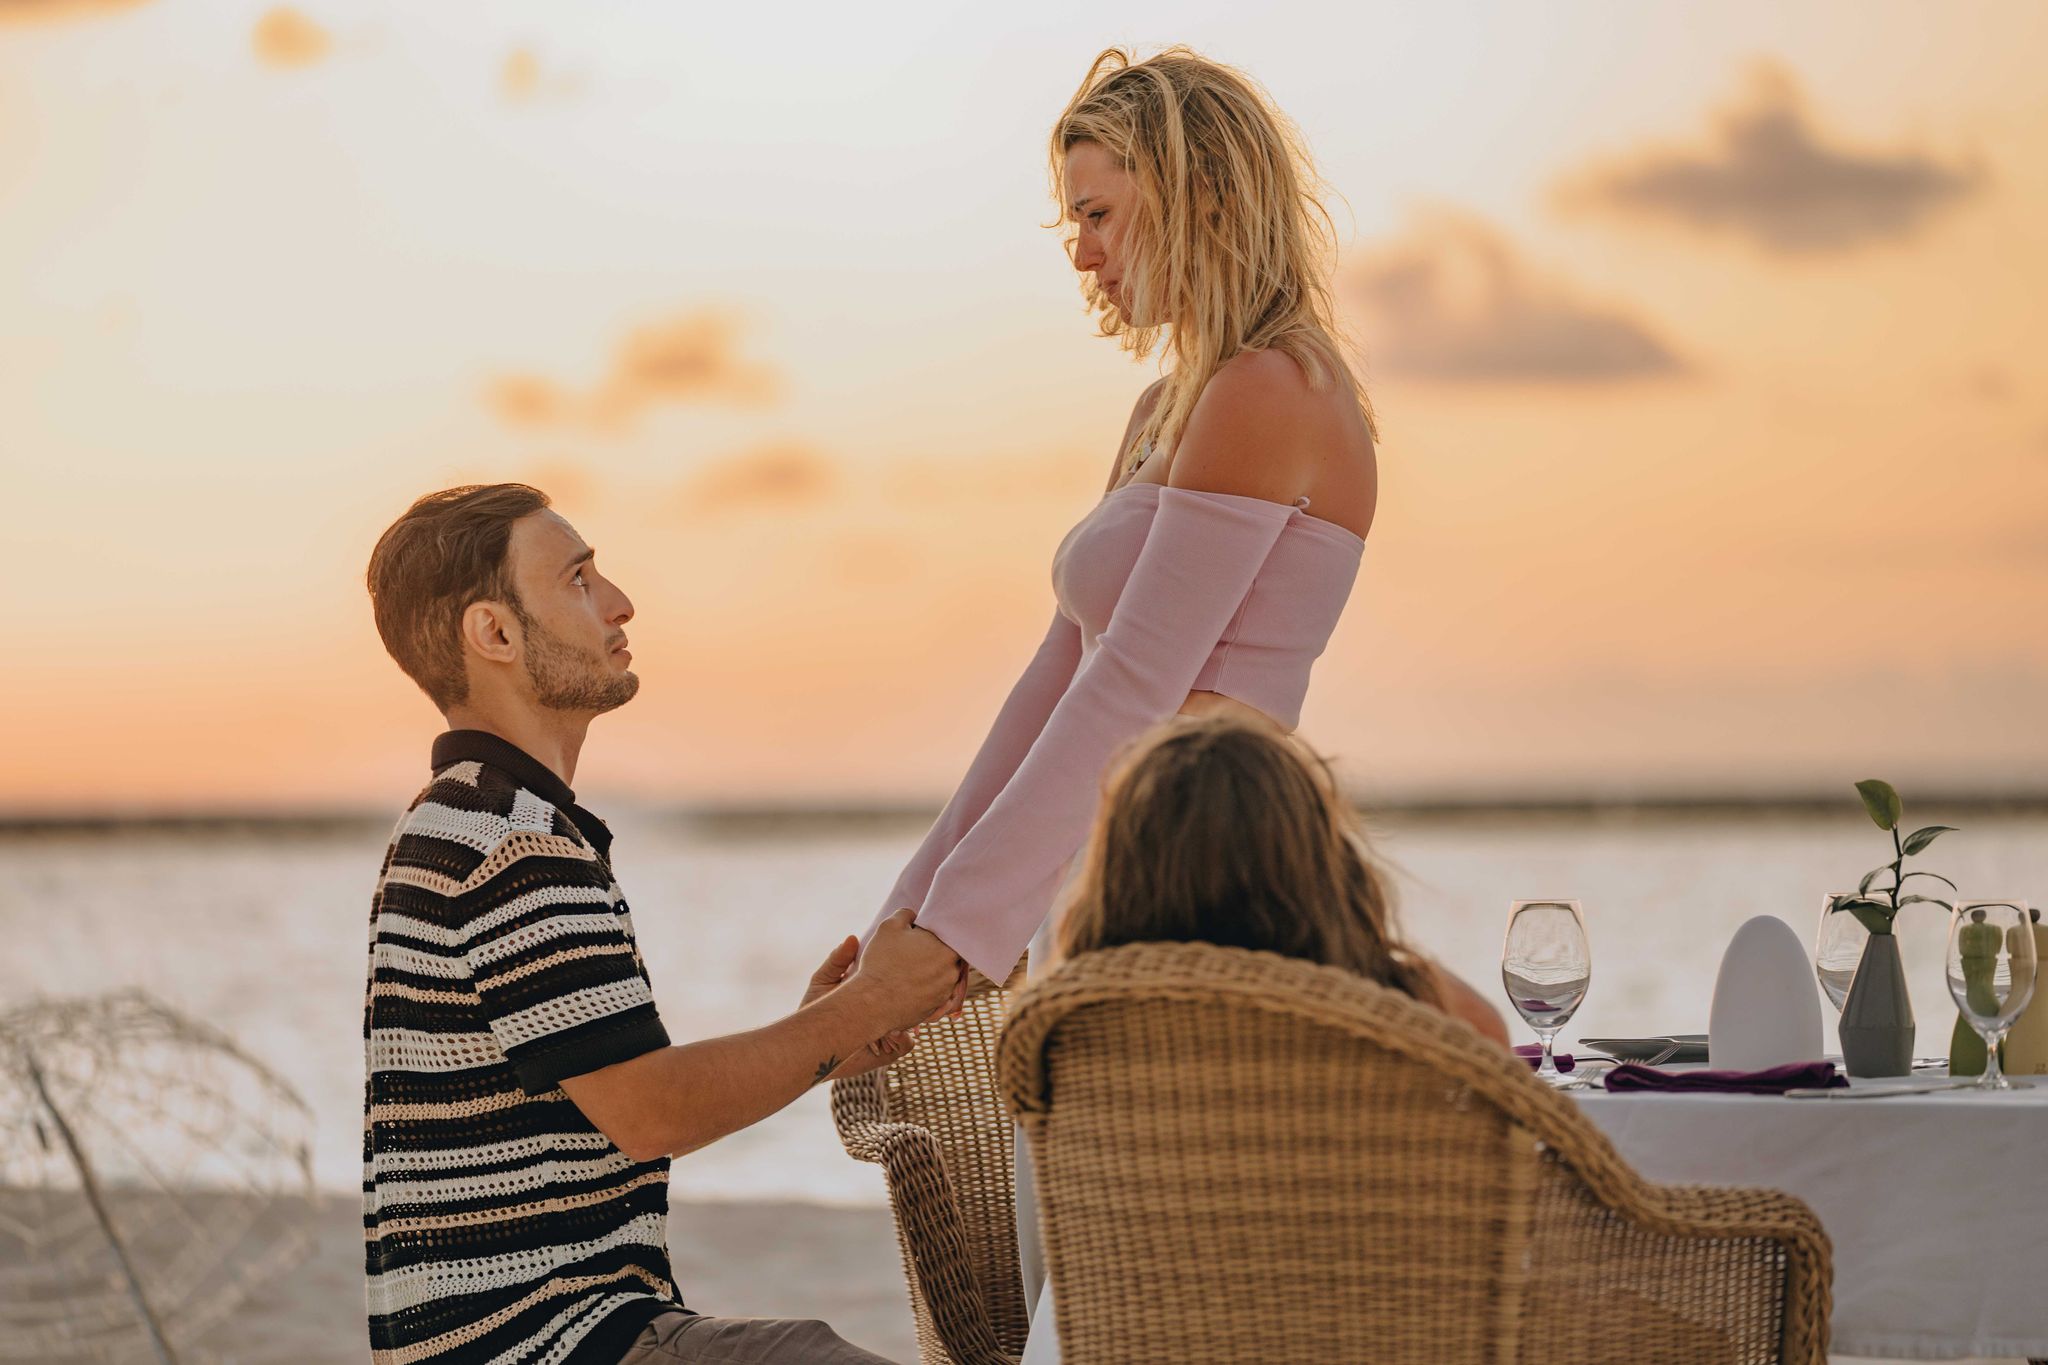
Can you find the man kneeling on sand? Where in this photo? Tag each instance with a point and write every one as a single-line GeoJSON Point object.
{"type": "Point", "coordinates": [522, 1098]}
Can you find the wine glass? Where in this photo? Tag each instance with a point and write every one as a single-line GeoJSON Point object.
{"type": "Point", "coordinates": [1837, 948]}
{"type": "Point", "coordinates": [1546, 965]}
{"type": "Point", "coordinates": [1991, 973]}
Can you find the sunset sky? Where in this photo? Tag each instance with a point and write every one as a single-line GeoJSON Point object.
{"type": "Point", "coordinates": [1707, 344]}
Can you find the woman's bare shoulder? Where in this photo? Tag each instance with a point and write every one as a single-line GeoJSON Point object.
{"type": "Point", "coordinates": [1461, 1001]}
{"type": "Point", "coordinates": [1255, 430]}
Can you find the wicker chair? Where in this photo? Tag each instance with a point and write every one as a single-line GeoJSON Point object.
{"type": "Point", "coordinates": [1244, 1157]}
{"type": "Point", "coordinates": [937, 1125]}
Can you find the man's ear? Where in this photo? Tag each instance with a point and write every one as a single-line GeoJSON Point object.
{"type": "Point", "coordinates": [490, 631]}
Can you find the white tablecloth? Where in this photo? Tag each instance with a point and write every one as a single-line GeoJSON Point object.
{"type": "Point", "coordinates": [1937, 1204]}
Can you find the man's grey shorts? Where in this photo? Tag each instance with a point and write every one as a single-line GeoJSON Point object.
{"type": "Point", "coordinates": [698, 1340]}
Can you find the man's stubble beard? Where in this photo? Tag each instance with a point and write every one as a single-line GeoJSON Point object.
{"type": "Point", "coordinates": [566, 678]}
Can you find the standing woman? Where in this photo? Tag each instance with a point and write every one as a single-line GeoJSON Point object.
{"type": "Point", "coordinates": [1202, 581]}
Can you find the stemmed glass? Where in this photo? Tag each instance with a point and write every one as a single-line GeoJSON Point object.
{"type": "Point", "coordinates": [1991, 973]}
{"type": "Point", "coordinates": [1546, 965]}
{"type": "Point", "coordinates": [1837, 948]}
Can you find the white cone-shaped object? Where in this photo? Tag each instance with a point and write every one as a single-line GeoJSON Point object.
{"type": "Point", "coordinates": [1766, 1011]}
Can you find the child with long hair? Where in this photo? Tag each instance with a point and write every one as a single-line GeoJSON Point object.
{"type": "Point", "coordinates": [1225, 829]}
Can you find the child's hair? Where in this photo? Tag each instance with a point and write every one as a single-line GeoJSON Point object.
{"type": "Point", "coordinates": [1229, 831]}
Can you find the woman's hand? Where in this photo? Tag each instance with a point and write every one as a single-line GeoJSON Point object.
{"type": "Point", "coordinates": [838, 965]}
{"type": "Point", "coordinates": [831, 974]}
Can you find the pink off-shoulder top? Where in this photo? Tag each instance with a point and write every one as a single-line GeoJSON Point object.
{"type": "Point", "coordinates": [1161, 591]}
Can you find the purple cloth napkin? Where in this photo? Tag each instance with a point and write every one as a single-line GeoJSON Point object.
{"type": "Point", "coordinates": [1532, 1053]}
{"type": "Point", "coordinates": [1772, 1081]}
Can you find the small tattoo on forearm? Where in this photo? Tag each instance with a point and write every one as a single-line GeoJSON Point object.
{"type": "Point", "coordinates": [825, 1068]}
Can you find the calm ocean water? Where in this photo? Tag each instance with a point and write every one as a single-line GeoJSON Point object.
{"type": "Point", "coordinates": [264, 935]}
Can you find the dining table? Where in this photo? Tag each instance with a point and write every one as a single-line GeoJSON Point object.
{"type": "Point", "coordinates": [1936, 1202]}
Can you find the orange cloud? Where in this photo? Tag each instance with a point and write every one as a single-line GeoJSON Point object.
{"type": "Point", "coordinates": [528, 401]}
{"type": "Point", "coordinates": [1454, 299]}
{"type": "Point", "coordinates": [1767, 174]}
{"type": "Point", "coordinates": [60, 11]}
{"type": "Point", "coordinates": [687, 359]}
{"type": "Point", "coordinates": [283, 37]}
{"type": "Point", "coordinates": [520, 76]}
{"type": "Point", "coordinates": [569, 484]}
{"type": "Point", "coordinates": [782, 475]}
{"type": "Point", "coordinates": [523, 78]}
{"type": "Point", "coordinates": [690, 357]}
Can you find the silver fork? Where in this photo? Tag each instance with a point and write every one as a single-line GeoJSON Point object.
{"type": "Point", "coordinates": [1586, 1082]}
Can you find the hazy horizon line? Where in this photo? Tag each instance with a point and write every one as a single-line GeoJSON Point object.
{"type": "Point", "coordinates": [797, 816]}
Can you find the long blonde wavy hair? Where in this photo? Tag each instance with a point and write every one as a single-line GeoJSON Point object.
{"type": "Point", "coordinates": [1231, 248]}
{"type": "Point", "coordinates": [1225, 829]}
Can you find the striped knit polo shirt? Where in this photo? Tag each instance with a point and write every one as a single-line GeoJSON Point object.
{"type": "Point", "coordinates": [499, 1224]}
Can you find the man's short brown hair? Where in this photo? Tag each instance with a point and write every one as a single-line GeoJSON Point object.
{"type": "Point", "coordinates": [446, 552]}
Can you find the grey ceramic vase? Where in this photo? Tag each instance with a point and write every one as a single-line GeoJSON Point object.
{"type": "Point", "coordinates": [1877, 1017]}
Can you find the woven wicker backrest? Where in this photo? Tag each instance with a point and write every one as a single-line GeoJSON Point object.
{"type": "Point", "coordinates": [1247, 1157]}
{"type": "Point", "coordinates": [937, 1122]}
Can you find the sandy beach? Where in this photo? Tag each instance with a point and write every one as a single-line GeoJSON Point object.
{"type": "Point", "coordinates": [731, 1259]}
{"type": "Point", "coordinates": [768, 1259]}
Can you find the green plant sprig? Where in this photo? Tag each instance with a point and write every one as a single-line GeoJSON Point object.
{"type": "Point", "coordinates": [1877, 906]}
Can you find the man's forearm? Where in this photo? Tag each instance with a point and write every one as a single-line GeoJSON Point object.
{"type": "Point", "coordinates": [701, 1091]}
